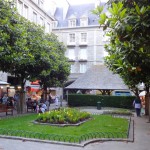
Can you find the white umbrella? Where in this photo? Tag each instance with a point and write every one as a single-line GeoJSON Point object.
{"type": "Point", "coordinates": [143, 93]}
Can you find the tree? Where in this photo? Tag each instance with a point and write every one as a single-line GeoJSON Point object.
{"type": "Point", "coordinates": [25, 49]}
{"type": "Point", "coordinates": [128, 27]}
{"type": "Point", "coordinates": [59, 70]}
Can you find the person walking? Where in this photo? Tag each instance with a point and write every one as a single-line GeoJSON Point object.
{"type": "Point", "coordinates": [57, 101]}
{"type": "Point", "coordinates": [137, 105]}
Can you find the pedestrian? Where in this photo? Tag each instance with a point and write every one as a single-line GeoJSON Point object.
{"type": "Point", "coordinates": [56, 101]}
{"type": "Point", "coordinates": [4, 99]}
{"type": "Point", "coordinates": [137, 105]}
{"type": "Point", "coordinates": [42, 108]}
{"type": "Point", "coordinates": [16, 100]}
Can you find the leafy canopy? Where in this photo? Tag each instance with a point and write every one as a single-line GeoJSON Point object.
{"type": "Point", "coordinates": [128, 27]}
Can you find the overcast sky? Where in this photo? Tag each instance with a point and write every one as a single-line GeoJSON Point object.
{"type": "Point", "coordinates": [60, 2]}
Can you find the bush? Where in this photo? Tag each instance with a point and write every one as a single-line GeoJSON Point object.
{"type": "Point", "coordinates": [63, 116]}
{"type": "Point", "coordinates": [106, 101]}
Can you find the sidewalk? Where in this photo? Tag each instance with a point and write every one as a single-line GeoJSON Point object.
{"type": "Point", "coordinates": [141, 139]}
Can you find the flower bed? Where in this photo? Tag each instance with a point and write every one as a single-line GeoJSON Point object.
{"type": "Point", "coordinates": [63, 116]}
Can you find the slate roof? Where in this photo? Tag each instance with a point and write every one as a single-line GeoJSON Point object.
{"type": "Point", "coordinates": [78, 11]}
{"type": "Point", "coordinates": [98, 77]}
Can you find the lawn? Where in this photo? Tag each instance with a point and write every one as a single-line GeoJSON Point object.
{"type": "Point", "coordinates": [98, 124]}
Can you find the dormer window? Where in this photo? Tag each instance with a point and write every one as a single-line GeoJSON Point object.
{"type": "Point", "coordinates": [72, 23]}
{"type": "Point", "coordinates": [83, 21]}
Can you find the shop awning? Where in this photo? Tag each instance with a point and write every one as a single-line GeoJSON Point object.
{"type": "Point", "coordinates": [3, 83]}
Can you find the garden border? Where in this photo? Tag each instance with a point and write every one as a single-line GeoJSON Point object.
{"type": "Point", "coordinates": [81, 143]}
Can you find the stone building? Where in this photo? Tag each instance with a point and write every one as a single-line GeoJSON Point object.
{"type": "Point", "coordinates": [79, 30]}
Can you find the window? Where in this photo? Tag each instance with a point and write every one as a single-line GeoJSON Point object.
{"type": "Point", "coordinates": [41, 21]}
{"type": "Point", "coordinates": [71, 37]}
{"type": "Point", "coordinates": [83, 54]}
{"type": "Point", "coordinates": [72, 68]}
{"type": "Point", "coordinates": [71, 54]}
{"type": "Point", "coordinates": [82, 68]}
{"type": "Point", "coordinates": [54, 24]}
{"type": "Point", "coordinates": [47, 27]}
{"type": "Point", "coordinates": [41, 3]}
{"type": "Point", "coordinates": [20, 7]}
{"type": "Point", "coordinates": [72, 23]}
{"type": "Point", "coordinates": [83, 37]}
{"type": "Point", "coordinates": [34, 17]}
{"type": "Point", "coordinates": [83, 22]}
{"type": "Point", "coordinates": [36, 1]}
{"type": "Point", "coordinates": [26, 11]}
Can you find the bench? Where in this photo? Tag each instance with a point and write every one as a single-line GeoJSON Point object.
{"type": "Point", "coordinates": [7, 109]}
{"type": "Point", "coordinates": [30, 106]}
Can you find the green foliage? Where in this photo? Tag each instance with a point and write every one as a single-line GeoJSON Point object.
{"type": "Point", "coordinates": [106, 101]}
{"type": "Point", "coordinates": [59, 69]}
{"type": "Point", "coordinates": [26, 51]}
{"type": "Point", "coordinates": [63, 116]}
{"type": "Point", "coordinates": [119, 112]}
{"type": "Point", "coordinates": [128, 28]}
{"type": "Point", "coordinates": [99, 123]}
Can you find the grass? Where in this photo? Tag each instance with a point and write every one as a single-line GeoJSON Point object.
{"type": "Point", "coordinates": [98, 123]}
{"type": "Point", "coordinates": [119, 112]}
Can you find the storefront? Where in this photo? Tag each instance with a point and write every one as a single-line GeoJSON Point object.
{"type": "Point", "coordinates": [3, 88]}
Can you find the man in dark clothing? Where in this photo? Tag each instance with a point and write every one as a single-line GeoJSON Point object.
{"type": "Point", "coordinates": [137, 105]}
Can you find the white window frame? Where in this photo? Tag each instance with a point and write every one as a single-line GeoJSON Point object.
{"type": "Point", "coordinates": [83, 22]}
{"type": "Point", "coordinates": [83, 68]}
{"type": "Point", "coordinates": [54, 24]}
{"type": "Point", "coordinates": [26, 8]}
{"type": "Point", "coordinates": [72, 68]}
{"type": "Point", "coordinates": [20, 7]}
{"type": "Point", "coordinates": [72, 23]}
{"type": "Point", "coordinates": [72, 37]}
{"type": "Point", "coordinates": [36, 1]}
{"type": "Point", "coordinates": [83, 37]}
{"type": "Point", "coordinates": [71, 54]}
{"type": "Point", "coordinates": [47, 27]}
{"type": "Point", "coordinates": [34, 17]}
{"type": "Point", "coordinates": [82, 54]}
{"type": "Point", "coordinates": [41, 3]}
{"type": "Point", "coordinates": [41, 21]}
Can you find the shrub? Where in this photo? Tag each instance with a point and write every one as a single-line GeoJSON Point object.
{"type": "Point", "coordinates": [63, 116]}
{"type": "Point", "coordinates": [106, 101]}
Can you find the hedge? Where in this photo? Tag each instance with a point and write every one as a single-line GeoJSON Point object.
{"type": "Point", "coordinates": [75, 100]}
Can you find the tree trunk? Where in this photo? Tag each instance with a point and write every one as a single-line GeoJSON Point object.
{"type": "Point", "coordinates": [18, 105]}
{"type": "Point", "coordinates": [147, 104]}
{"type": "Point", "coordinates": [22, 102]}
{"type": "Point", "coordinates": [45, 93]}
{"type": "Point", "coordinates": [22, 99]}
{"type": "Point", "coordinates": [148, 99]}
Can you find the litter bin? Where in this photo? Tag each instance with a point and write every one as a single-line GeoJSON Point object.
{"type": "Point", "coordinates": [98, 105]}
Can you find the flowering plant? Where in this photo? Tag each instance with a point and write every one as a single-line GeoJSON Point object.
{"type": "Point", "coordinates": [63, 116]}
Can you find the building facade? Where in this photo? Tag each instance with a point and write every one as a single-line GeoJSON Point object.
{"type": "Point", "coordinates": [79, 30]}
{"type": "Point", "coordinates": [34, 11]}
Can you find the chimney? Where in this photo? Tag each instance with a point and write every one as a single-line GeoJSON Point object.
{"type": "Point", "coordinates": [65, 8]}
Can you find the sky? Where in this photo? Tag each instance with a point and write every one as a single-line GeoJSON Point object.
{"type": "Point", "coordinates": [60, 2]}
{"type": "Point", "coordinates": [82, 1]}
